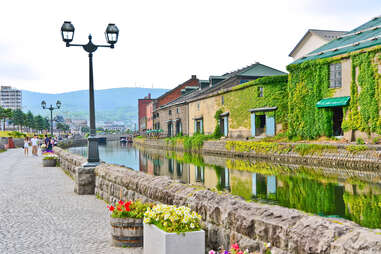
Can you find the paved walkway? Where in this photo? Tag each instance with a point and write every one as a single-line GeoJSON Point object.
{"type": "Point", "coordinates": [40, 213]}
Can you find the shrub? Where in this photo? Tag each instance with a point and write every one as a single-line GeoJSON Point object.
{"type": "Point", "coordinates": [360, 141]}
{"type": "Point", "coordinates": [376, 140]}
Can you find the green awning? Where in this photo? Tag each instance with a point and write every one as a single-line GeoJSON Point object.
{"type": "Point", "coordinates": [333, 102]}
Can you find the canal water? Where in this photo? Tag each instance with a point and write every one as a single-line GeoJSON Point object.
{"type": "Point", "coordinates": [326, 192]}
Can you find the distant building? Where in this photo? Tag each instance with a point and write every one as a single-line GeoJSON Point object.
{"type": "Point", "coordinates": [142, 112]}
{"type": "Point", "coordinates": [76, 124]}
{"type": "Point", "coordinates": [312, 40]}
{"type": "Point", "coordinates": [10, 98]}
{"type": "Point", "coordinates": [114, 126]}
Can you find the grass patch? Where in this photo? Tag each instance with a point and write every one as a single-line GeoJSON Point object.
{"type": "Point", "coordinates": [356, 148]}
{"type": "Point", "coordinates": [304, 149]}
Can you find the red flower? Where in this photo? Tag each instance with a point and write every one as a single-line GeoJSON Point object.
{"type": "Point", "coordinates": [111, 208]}
{"type": "Point", "coordinates": [121, 202]}
{"type": "Point", "coordinates": [128, 209]}
{"type": "Point", "coordinates": [235, 246]}
{"type": "Point", "coordinates": [129, 203]}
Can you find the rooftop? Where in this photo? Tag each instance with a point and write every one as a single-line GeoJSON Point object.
{"type": "Point", "coordinates": [327, 35]}
{"type": "Point", "coordinates": [364, 36]}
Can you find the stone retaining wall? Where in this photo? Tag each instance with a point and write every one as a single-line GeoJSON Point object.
{"type": "Point", "coordinates": [72, 143]}
{"type": "Point", "coordinates": [341, 158]}
{"type": "Point", "coordinates": [228, 219]}
{"type": "Point", "coordinates": [69, 161]}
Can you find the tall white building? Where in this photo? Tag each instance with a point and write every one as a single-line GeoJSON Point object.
{"type": "Point", "coordinates": [10, 98]}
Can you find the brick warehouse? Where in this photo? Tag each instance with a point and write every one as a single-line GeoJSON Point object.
{"type": "Point", "coordinates": [142, 112]}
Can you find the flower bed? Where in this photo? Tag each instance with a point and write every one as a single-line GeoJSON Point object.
{"type": "Point", "coordinates": [173, 219]}
{"type": "Point", "coordinates": [127, 223]}
{"type": "Point", "coordinates": [49, 159]}
{"type": "Point", "coordinates": [235, 249]}
{"type": "Point", "coordinates": [171, 230]}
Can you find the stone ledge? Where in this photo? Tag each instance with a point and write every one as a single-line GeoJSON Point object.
{"type": "Point", "coordinates": [366, 160]}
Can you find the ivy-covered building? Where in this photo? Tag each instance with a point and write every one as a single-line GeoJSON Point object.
{"type": "Point", "coordinates": [250, 102]}
{"type": "Point", "coordinates": [335, 90]}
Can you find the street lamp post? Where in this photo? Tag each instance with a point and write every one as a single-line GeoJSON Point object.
{"type": "Point", "coordinates": [51, 108]}
{"type": "Point", "coordinates": [112, 34]}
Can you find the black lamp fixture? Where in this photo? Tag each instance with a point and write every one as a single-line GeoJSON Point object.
{"type": "Point", "coordinates": [112, 35]}
{"type": "Point", "coordinates": [51, 108]}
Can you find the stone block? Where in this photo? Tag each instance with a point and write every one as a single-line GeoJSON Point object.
{"type": "Point", "coordinates": [84, 181]}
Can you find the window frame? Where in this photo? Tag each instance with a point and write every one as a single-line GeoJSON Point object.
{"type": "Point", "coordinates": [260, 92]}
{"type": "Point", "coordinates": [335, 75]}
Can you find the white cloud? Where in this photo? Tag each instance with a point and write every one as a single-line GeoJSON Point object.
{"type": "Point", "coordinates": [161, 42]}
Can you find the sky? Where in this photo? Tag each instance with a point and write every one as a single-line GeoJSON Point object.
{"type": "Point", "coordinates": [161, 43]}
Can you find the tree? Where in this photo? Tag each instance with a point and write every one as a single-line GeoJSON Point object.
{"type": "Point", "coordinates": [46, 125]}
{"type": "Point", "coordinates": [63, 127]}
{"type": "Point", "coordinates": [5, 113]}
{"type": "Point", "coordinates": [85, 129]}
{"type": "Point", "coordinates": [29, 122]}
{"type": "Point", "coordinates": [18, 118]}
{"type": "Point", "coordinates": [38, 123]}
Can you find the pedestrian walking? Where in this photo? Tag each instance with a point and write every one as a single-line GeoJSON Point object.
{"type": "Point", "coordinates": [50, 144]}
{"type": "Point", "coordinates": [26, 146]}
{"type": "Point", "coordinates": [34, 141]}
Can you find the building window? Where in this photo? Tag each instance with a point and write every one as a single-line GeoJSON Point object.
{"type": "Point", "coordinates": [260, 91]}
{"type": "Point", "coordinates": [222, 100]}
{"type": "Point", "coordinates": [335, 75]}
{"type": "Point", "coordinates": [198, 106]}
{"type": "Point", "coordinates": [177, 110]}
{"type": "Point", "coordinates": [170, 112]}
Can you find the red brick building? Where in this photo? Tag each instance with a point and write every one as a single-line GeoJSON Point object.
{"type": "Point", "coordinates": [149, 115]}
{"type": "Point", "coordinates": [147, 105]}
{"type": "Point", "coordinates": [142, 112]}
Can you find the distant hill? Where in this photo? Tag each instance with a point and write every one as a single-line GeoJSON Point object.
{"type": "Point", "coordinates": [116, 104]}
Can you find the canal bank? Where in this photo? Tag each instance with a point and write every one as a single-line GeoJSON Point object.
{"type": "Point", "coordinates": [357, 157]}
{"type": "Point", "coordinates": [229, 218]}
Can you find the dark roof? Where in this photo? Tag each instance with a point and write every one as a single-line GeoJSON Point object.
{"type": "Point", "coordinates": [325, 34]}
{"type": "Point", "coordinates": [256, 70]}
{"type": "Point", "coordinates": [253, 70]}
{"type": "Point", "coordinates": [163, 95]}
{"type": "Point", "coordinates": [364, 36]}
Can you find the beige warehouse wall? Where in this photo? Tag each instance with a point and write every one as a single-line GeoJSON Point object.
{"type": "Point", "coordinates": [207, 109]}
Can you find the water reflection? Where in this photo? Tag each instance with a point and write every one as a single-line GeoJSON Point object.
{"type": "Point", "coordinates": [326, 192]}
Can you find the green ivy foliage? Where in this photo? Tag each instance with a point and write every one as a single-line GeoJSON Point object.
{"type": "Point", "coordinates": [365, 103]}
{"type": "Point", "coordinates": [244, 97]}
{"type": "Point", "coordinates": [309, 82]}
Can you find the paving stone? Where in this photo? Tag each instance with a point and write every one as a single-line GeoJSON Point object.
{"type": "Point", "coordinates": [40, 213]}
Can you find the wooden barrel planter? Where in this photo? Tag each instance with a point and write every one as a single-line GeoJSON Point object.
{"type": "Point", "coordinates": [49, 163]}
{"type": "Point", "coordinates": [126, 232]}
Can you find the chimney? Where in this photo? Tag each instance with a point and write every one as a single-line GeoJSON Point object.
{"type": "Point", "coordinates": [149, 95]}
{"type": "Point", "coordinates": [194, 77]}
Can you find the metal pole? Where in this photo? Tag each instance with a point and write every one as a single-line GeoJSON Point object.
{"type": "Point", "coordinates": [93, 153]}
{"type": "Point", "coordinates": [91, 95]}
{"type": "Point", "coordinates": [51, 121]}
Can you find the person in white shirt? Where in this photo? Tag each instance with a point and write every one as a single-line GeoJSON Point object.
{"type": "Point", "coordinates": [34, 141]}
{"type": "Point", "coordinates": [26, 146]}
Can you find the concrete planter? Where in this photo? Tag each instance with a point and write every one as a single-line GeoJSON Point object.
{"type": "Point", "coordinates": [126, 232]}
{"type": "Point", "coordinates": [159, 242]}
{"type": "Point", "coordinates": [49, 163]}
